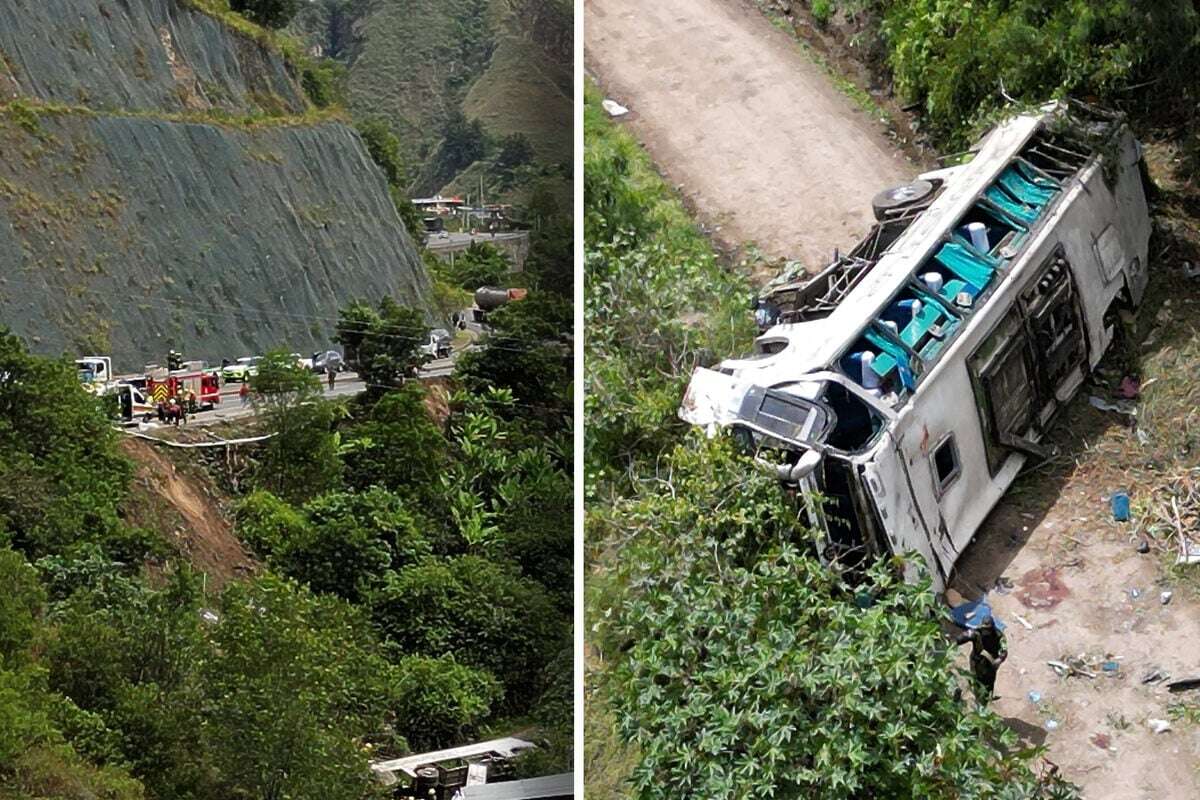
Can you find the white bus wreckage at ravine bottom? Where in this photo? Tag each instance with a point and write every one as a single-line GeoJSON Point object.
{"type": "Point", "coordinates": [910, 380]}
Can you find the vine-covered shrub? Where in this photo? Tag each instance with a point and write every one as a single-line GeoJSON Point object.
{"type": "Point", "coordinates": [748, 669]}
{"type": "Point", "coordinates": [959, 59]}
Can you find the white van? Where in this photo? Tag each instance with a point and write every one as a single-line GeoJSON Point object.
{"type": "Point", "coordinates": [909, 381]}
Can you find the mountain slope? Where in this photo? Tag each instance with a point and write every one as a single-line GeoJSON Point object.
{"type": "Point", "coordinates": [165, 185]}
{"type": "Point", "coordinates": [418, 63]}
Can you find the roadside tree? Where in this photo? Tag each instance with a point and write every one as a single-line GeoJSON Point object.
{"type": "Point", "coordinates": [301, 460]}
{"type": "Point", "coordinates": [382, 345]}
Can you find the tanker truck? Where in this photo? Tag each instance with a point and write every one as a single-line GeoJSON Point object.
{"type": "Point", "coordinates": [490, 298]}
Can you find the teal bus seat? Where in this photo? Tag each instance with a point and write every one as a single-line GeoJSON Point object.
{"type": "Point", "coordinates": [966, 264]}
{"type": "Point", "coordinates": [1028, 193]}
{"type": "Point", "coordinates": [891, 356]}
{"type": "Point", "coordinates": [1018, 211]}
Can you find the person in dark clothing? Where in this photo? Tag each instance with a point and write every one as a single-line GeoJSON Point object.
{"type": "Point", "coordinates": [988, 652]}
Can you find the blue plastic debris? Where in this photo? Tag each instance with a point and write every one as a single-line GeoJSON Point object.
{"type": "Point", "coordinates": [1120, 506]}
{"type": "Point", "coordinates": [1110, 667]}
{"type": "Point", "coordinates": [972, 612]}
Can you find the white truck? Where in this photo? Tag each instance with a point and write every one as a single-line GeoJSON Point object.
{"type": "Point", "coordinates": [910, 380]}
{"type": "Point", "coordinates": [95, 373]}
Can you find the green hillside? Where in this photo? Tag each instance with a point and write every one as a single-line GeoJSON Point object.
{"type": "Point", "coordinates": [418, 64]}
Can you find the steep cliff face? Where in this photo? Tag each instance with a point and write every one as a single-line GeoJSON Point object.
{"type": "Point", "coordinates": [137, 54]}
{"type": "Point", "coordinates": [146, 225]}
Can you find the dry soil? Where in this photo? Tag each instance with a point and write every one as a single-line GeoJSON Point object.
{"type": "Point", "coordinates": [762, 145]}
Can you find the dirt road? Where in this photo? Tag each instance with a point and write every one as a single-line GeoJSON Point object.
{"type": "Point", "coordinates": [764, 145]}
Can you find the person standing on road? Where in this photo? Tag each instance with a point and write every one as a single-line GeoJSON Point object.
{"type": "Point", "coordinates": [244, 393]}
{"type": "Point", "coordinates": [988, 652]}
{"type": "Point", "coordinates": [331, 376]}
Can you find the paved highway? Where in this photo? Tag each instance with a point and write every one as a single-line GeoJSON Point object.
{"type": "Point", "coordinates": [455, 241]}
{"type": "Point", "coordinates": [347, 384]}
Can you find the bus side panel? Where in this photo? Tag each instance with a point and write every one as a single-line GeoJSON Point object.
{"type": "Point", "coordinates": [1106, 235]}
{"type": "Point", "coordinates": [948, 421]}
{"type": "Point", "coordinates": [888, 488]}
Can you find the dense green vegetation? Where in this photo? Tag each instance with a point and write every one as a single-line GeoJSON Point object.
{"type": "Point", "coordinates": [958, 60]}
{"type": "Point", "coordinates": [415, 585]}
{"type": "Point", "coordinates": [726, 661]}
{"type": "Point", "coordinates": [456, 81]}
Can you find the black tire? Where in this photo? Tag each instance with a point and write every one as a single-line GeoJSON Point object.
{"type": "Point", "coordinates": [889, 201]}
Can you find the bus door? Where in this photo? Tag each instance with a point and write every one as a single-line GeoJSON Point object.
{"type": "Point", "coordinates": [890, 487]}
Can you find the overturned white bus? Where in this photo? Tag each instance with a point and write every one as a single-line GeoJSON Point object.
{"type": "Point", "coordinates": [909, 381]}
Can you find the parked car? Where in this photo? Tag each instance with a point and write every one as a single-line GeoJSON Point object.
{"type": "Point", "coordinates": [302, 362]}
{"type": "Point", "coordinates": [241, 370]}
{"type": "Point", "coordinates": [330, 359]}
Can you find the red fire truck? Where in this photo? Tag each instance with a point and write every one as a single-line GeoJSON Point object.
{"type": "Point", "coordinates": [201, 387]}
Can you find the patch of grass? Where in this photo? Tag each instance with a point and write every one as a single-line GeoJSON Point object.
{"type": "Point", "coordinates": [861, 97]}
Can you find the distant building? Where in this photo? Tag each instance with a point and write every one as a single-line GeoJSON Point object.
{"type": "Point", "coordinates": [437, 204]}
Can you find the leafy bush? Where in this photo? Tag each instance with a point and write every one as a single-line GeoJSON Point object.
{"type": "Point", "coordinates": [350, 541]}
{"type": "Point", "coordinates": [481, 611]}
{"type": "Point", "coordinates": [61, 476]}
{"type": "Point", "coordinates": [323, 80]}
{"type": "Point", "coordinates": [440, 702]}
{"type": "Point", "coordinates": [381, 346]}
{"type": "Point", "coordinates": [396, 445]}
{"type": "Point", "coordinates": [953, 57]}
{"type": "Point", "coordinates": [748, 669]}
{"type": "Point", "coordinates": [300, 460]}
{"type": "Point", "coordinates": [21, 603]}
{"type": "Point", "coordinates": [265, 522]}
{"type": "Point", "coordinates": [527, 351]}
{"type": "Point", "coordinates": [481, 264]}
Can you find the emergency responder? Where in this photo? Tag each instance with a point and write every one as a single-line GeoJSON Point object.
{"type": "Point", "coordinates": [988, 652]}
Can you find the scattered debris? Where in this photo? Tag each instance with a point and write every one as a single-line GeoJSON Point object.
{"type": "Point", "coordinates": [1130, 388]}
{"type": "Point", "coordinates": [1155, 675]}
{"type": "Point", "coordinates": [1034, 696]}
{"type": "Point", "coordinates": [1159, 725]}
{"type": "Point", "coordinates": [1165, 597]}
{"type": "Point", "coordinates": [1120, 506]}
{"type": "Point", "coordinates": [1051, 724]}
{"type": "Point", "coordinates": [1028, 626]}
{"type": "Point", "coordinates": [1110, 668]}
{"type": "Point", "coordinates": [1101, 740]}
{"type": "Point", "coordinates": [1190, 270]}
{"type": "Point", "coordinates": [1134, 594]}
{"type": "Point", "coordinates": [1072, 666]}
{"type": "Point", "coordinates": [614, 108]}
{"type": "Point", "coordinates": [1143, 546]}
{"type": "Point", "coordinates": [1126, 407]}
{"type": "Point", "coordinates": [1003, 585]}
{"type": "Point", "coordinates": [1183, 685]}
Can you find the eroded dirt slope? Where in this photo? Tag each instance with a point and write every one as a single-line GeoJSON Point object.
{"type": "Point", "coordinates": [187, 508]}
{"type": "Point", "coordinates": [763, 145]}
